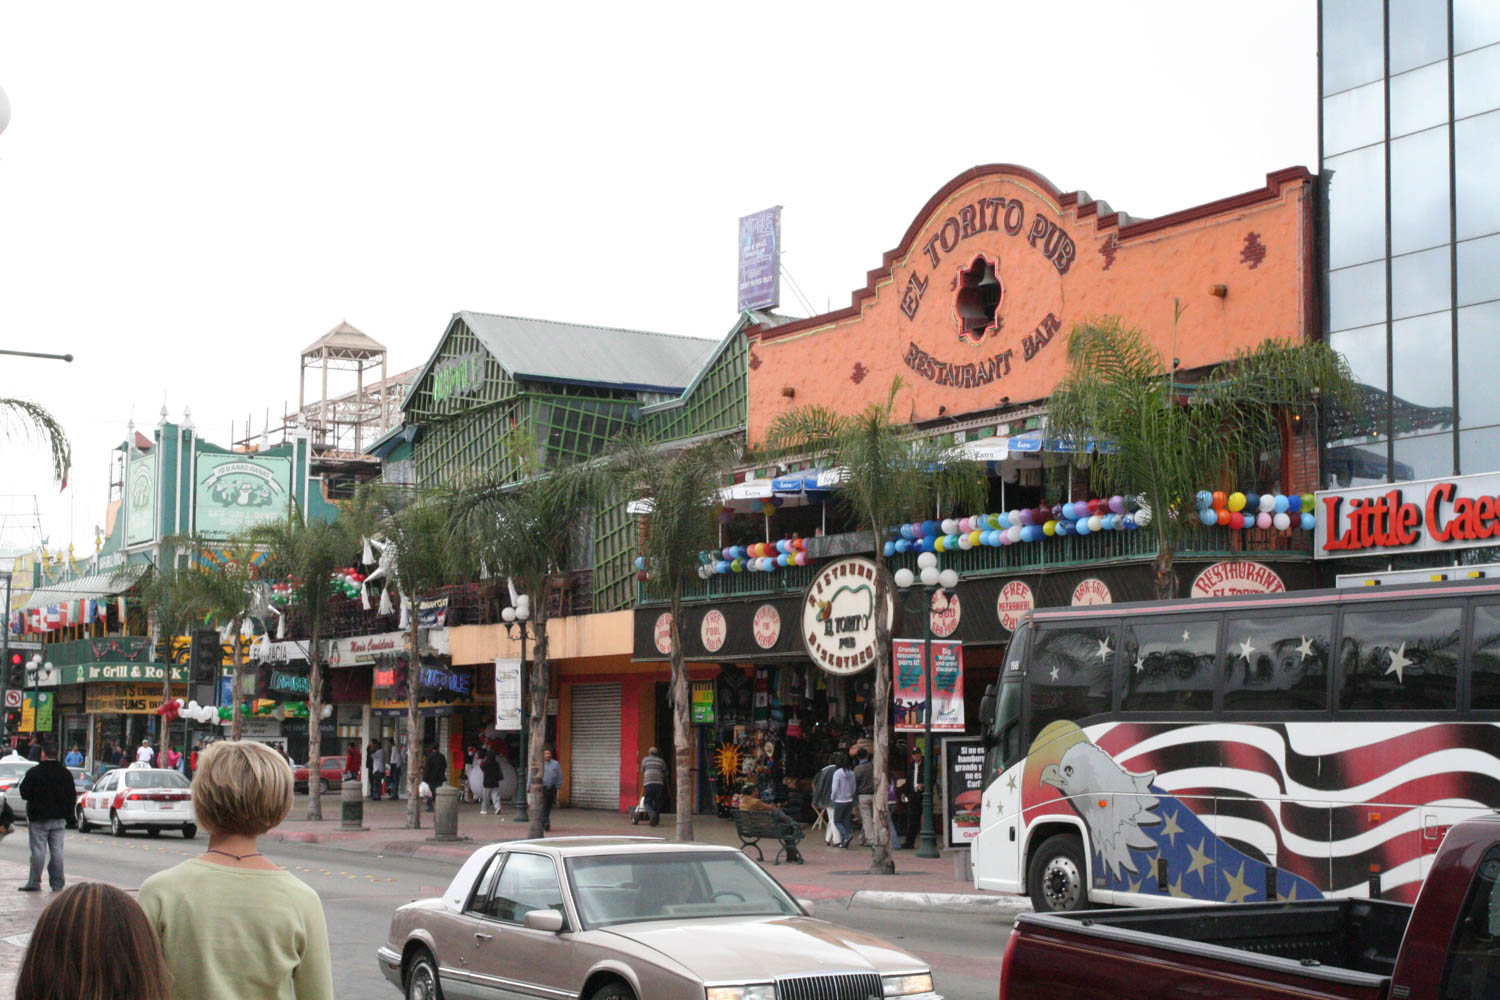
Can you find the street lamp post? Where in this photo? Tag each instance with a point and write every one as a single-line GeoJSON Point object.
{"type": "Point", "coordinates": [932, 581]}
{"type": "Point", "coordinates": [518, 617]}
{"type": "Point", "coordinates": [34, 669]}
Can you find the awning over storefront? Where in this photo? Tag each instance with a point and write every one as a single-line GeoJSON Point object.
{"type": "Point", "coordinates": [92, 586]}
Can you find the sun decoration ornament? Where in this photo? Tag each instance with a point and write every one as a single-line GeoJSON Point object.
{"type": "Point", "coordinates": [727, 760]}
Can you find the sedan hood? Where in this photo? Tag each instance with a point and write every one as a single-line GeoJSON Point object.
{"type": "Point", "coordinates": [738, 948]}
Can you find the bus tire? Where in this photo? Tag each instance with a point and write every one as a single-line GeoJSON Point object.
{"type": "Point", "coordinates": [1056, 875]}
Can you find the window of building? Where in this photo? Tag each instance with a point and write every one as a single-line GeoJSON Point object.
{"type": "Point", "coordinates": [1364, 349]}
{"type": "Point", "coordinates": [1419, 33]}
{"type": "Point", "coordinates": [1353, 43]}
{"type": "Point", "coordinates": [1419, 99]}
{"type": "Point", "coordinates": [1479, 270]}
{"type": "Point", "coordinates": [1423, 456]}
{"type": "Point", "coordinates": [1421, 369]}
{"type": "Point", "coordinates": [1478, 341]}
{"type": "Point", "coordinates": [1277, 663]}
{"type": "Point", "coordinates": [1070, 673]}
{"type": "Point", "coordinates": [1484, 659]}
{"type": "Point", "coordinates": [1479, 449]}
{"type": "Point", "coordinates": [1354, 118]}
{"type": "Point", "coordinates": [1475, 23]}
{"type": "Point", "coordinates": [1400, 660]}
{"type": "Point", "coordinates": [1419, 190]}
{"type": "Point", "coordinates": [1476, 82]}
{"type": "Point", "coordinates": [1169, 665]}
{"type": "Point", "coordinates": [1356, 207]}
{"type": "Point", "coordinates": [1356, 297]}
{"type": "Point", "coordinates": [1475, 141]}
{"type": "Point", "coordinates": [1421, 282]}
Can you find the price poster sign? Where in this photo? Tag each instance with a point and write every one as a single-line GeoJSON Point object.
{"type": "Point", "coordinates": [963, 785]}
{"type": "Point", "coordinates": [703, 703]}
{"type": "Point", "coordinates": [508, 695]}
{"type": "Point", "coordinates": [910, 687]}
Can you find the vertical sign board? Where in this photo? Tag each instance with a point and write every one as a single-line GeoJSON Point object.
{"type": "Point", "coordinates": [909, 687]}
{"type": "Point", "coordinates": [234, 492]}
{"type": "Point", "coordinates": [140, 499]}
{"type": "Point", "coordinates": [760, 260]}
{"type": "Point", "coordinates": [703, 703]}
{"type": "Point", "coordinates": [963, 784]}
{"type": "Point", "coordinates": [508, 696]}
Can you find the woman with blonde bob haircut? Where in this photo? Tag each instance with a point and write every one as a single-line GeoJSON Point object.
{"type": "Point", "coordinates": [233, 925]}
{"type": "Point", "coordinates": [92, 942]}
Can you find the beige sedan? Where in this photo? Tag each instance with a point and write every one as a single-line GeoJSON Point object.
{"type": "Point", "coordinates": [627, 918]}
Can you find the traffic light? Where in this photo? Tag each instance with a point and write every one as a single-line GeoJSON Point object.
{"type": "Point", "coordinates": [15, 671]}
{"type": "Point", "coordinates": [206, 656]}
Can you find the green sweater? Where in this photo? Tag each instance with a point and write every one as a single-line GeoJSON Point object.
{"type": "Point", "coordinates": [239, 934]}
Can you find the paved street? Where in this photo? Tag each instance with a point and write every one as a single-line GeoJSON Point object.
{"type": "Point", "coordinates": [360, 890]}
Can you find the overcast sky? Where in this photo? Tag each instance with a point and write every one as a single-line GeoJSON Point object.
{"type": "Point", "coordinates": [191, 193]}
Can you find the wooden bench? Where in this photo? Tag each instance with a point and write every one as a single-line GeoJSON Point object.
{"type": "Point", "coordinates": [756, 824]}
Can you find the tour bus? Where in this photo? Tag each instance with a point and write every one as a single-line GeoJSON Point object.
{"type": "Point", "coordinates": [1238, 749]}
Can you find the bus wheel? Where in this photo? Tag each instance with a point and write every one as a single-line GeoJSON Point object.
{"type": "Point", "coordinates": [1055, 875]}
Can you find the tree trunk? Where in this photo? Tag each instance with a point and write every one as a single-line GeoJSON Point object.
{"type": "Point", "coordinates": [415, 762]}
{"type": "Point", "coordinates": [236, 723]}
{"type": "Point", "coordinates": [536, 718]}
{"type": "Point", "coordinates": [881, 862]}
{"type": "Point", "coordinates": [314, 726]}
{"type": "Point", "coordinates": [1166, 571]}
{"type": "Point", "coordinates": [682, 725]}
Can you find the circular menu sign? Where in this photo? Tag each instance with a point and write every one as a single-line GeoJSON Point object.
{"type": "Point", "coordinates": [1091, 591]}
{"type": "Point", "coordinates": [945, 613]}
{"type": "Point", "coordinates": [1015, 600]}
{"type": "Point", "coordinates": [713, 630]}
{"type": "Point", "coordinates": [838, 616]}
{"type": "Point", "coordinates": [766, 626]}
{"type": "Point", "coordinates": [663, 633]}
{"type": "Point", "coordinates": [1236, 577]}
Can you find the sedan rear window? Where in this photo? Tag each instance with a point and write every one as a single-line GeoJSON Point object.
{"type": "Point", "coordinates": [155, 779]}
{"type": "Point", "coordinates": [616, 889]}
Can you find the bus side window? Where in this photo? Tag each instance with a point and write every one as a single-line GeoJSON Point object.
{"type": "Point", "coordinates": [1396, 660]}
{"type": "Point", "coordinates": [1169, 665]}
{"type": "Point", "coordinates": [1277, 664]}
{"type": "Point", "coordinates": [1070, 674]}
{"type": "Point", "coordinates": [1484, 660]}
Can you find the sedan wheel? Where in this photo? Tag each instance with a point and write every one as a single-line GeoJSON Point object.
{"type": "Point", "coordinates": [153, 831]}
{"type": "Point", "coordinates": [84, 826]}
{"type": "Point", "coordinates": [422, 979]}
{"type": "Point", "coordinates": [323, 786]}
{"type": "Point", "coordinates": [189, 831]}
{"type": "Point", "coordinates": [115, 826]}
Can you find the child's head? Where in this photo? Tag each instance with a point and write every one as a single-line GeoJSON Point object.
{"type": "Point", "coordinates": [241, 787]}
{"type": "Point", "coordinates": [93, 942]}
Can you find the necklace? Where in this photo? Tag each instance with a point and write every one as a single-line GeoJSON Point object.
{"type": "Point", "coordinates": [237, 857]}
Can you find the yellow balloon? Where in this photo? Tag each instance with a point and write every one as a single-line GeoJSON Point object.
{"type": "Point", "coordinates": [1236, 501]}
{"type": "Point", "coordinates": [1050, 528]}
{"type": "Point", "coordinates": [939, 544]}
{"type": "Point", "coordinates": [974, 538]}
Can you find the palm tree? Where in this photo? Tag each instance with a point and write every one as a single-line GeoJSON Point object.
{"type": "Point", "coordinates": [1173, 438]}
{"type": "Point", "coordinates": [306, 554]}
{"type": "Point", "coordinates": [889, 474]}
{"type": "Point", "coordinates": [28, 420]}
{"type": "Point", "coordinates": [529, 532]}
{"type": "Point", "coordinates": [169, 595]}
{"type": "Point", "coordinates": [681, 485]}
{"type": "Point", "coordinates": [415, 525]}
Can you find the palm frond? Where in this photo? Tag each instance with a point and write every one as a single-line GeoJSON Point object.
{"type": "Point", "coordinates": [23, 418]}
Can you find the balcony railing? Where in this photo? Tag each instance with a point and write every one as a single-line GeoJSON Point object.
{"type": "Point", "coordinates": [1071, 551]}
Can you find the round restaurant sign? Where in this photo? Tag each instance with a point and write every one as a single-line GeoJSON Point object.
{"type": "Point", "coordinates": [766, 626]}
{"type": "Point", "coordinates": [1236, 577]}
{"type": "Point", "coordinates": [1091, 591]}
{"type": "Point", "coordinates": [1015, 600]}
{"type": "Point", "coordinates": [713, 630]}
{"type": "Point", "coordinates": [945, 613]}
{"type": "Point", "coordinates": [838, 616]}
{"type": "Point", "coordinates": [663, 634]}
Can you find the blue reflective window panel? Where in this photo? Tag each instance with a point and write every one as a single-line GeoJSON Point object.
{"type": "Point", "coordinates": [1475, 23]}
{"type": "Point", "coordinates": [1479, 450]}
{"type": "Point", "coordinates": [1419, 99]}
{"type": "Point", "coordinates": [1421, 282]}
{"type": "Point", "coordinates": [1478, 354]}
{"type": "Point", "coordinates": [1419, 191]}
{"type": "Point", "coordinates": [1356, 296]}
{"type": "Point", "coordinates": [1353, 118]}
{"type": "Point", "coordinates": [1479, 270]}
{"type": "Point", "coordinates": [1476, 81]}
{"type": "Point", "coordinates": [1356, 206]}
{"type": "Point", "coordinates": [1425, 457]}
{"type": "Point", "coordinates": [1476, 143]}
{"type": "Point", "coordinates": [1353, 43]}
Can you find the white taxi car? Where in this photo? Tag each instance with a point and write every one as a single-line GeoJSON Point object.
{"type": "Point", "coordinates": [139, 796]}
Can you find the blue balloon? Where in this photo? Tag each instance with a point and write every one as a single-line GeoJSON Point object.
{"type": "Point", "coordinates": [1129, 522]}
{"type": "Point", "coordinates": [931, 529]}
{"type": "Point", "coordinates": [640, 562]}
{"type": "Point", "coordinates": [906, 531]}
{"type": "Point", "coordinates": [1116, 522]}
{"type": "Point", "coordinates": [925, 544]}
{"type": "Point", "coordinates": [1309, 522]}
{"type": "Point", "coordinates": [1281, 504]}
{"type": "Point", "coordinates": [722, 566]}
{"type": "Point", "coordinates": [1205, 499]}
{"type": "Point", "coordinates": [1064, 527]}
{"type": "Point", "coordinates": [903, 545]}
{"type": "Point", "coordinates": [1081, 526]}
{"type": "Point", "coordinates": [950, 542]}
{"type": "Point", "coordinates": [1252, 506]}
{"type": "Point", "coordinates": [890, 549]}
{"type": "Point", "coordinates": [1208, 517]}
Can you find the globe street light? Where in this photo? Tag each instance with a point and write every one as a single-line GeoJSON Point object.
{"type": "Point", "coordinates": [932, 580]}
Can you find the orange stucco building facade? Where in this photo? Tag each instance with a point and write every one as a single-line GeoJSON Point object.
{"type": "Point", "coordinates": [973, 307]}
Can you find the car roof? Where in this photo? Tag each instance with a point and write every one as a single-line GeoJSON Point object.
{"type": "Point", "coordinates": [577, 846]}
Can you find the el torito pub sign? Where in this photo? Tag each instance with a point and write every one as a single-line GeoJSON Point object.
{"type": "Point", "coordinates": [1423, 516]}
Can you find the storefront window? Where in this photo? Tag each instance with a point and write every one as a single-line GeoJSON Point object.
{"type": "Point", "coordinates": [1478, 347]}
{"type": "Point", "coordinates": [1353, 49]}
{"type": "Point", "coordinates": [1354, 118]}
{"type": "Point", "coordinates": [1475, 141]}
{"type": "Point", "coordinates": [1419, 32]}
{"type": "Point", "coordinates": [1356, 296]}
{"type": "Point", "coordinates": [1422, 369]}
{"type": "Point", "coordinates": [1479, 270]}
{"type": "Point", "coordinates": [1475, 23]}
{"type": "Point", "coordinates": [1476, 82]}
{"type": "Point", "coordinates": [1356, 206]}
{"type": "Point", "coordinates": [1419, 190]}
{"type": "Point", "coordinates": [1421, 282]}
{"type": "Point", "coordinates": [1419, 99]}
{"type": "Point", "coordinates": [1400, 660]}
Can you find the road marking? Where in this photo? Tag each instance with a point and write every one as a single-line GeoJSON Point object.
{"type": "Point", "coordinates": [19, 940]}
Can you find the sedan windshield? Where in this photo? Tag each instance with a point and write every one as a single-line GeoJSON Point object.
{"type": "Point", "coordinates": [155, 779]}
{"type": "Point", "coordinates": [616, 889]}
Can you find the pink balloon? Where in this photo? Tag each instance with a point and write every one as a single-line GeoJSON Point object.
{"type": "Point", "coordinates": [1262, 520]}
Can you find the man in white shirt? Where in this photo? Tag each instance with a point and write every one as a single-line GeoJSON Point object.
{"type": "Point", "coordinates": [144, 752]}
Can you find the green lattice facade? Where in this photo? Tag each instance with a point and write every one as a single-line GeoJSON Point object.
{"type": "Point", "coordinates": [473, 414]}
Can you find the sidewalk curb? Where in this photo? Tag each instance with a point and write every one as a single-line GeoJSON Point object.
{"type": "Point", "coordinates": [940, 902]}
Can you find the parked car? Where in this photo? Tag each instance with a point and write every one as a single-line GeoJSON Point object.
{"type": "Point", "coordinates": [625, 918]}
{"type": "Point", "coordinates": [1447, 944]}
{"type": "Point", "coordinates": [12, 770]}
{"type": "Point", "coordinates": [139, 796]}
{"type": "Point", "coordinates": [330, 771]}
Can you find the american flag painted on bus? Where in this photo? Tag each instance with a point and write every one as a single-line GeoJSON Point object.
{"type": "Point", "coordinates": [1210, 811]}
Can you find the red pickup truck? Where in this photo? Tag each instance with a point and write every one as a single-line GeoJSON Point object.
{"type": "Point", "coordinates": [1445, 946]}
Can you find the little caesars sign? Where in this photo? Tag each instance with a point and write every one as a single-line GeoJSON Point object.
{"type": "Point", "coordinates": [838, 616]}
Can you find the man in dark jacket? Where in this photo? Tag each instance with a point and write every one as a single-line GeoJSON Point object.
{"type": "Point", "coordinates": [491, 784]}
{"type": "Point", "coordinates": [49, 794]}
{"type": "Point", "coordinates": [864, 791]}
{"type": "Point", "coordinates": [434, 772]}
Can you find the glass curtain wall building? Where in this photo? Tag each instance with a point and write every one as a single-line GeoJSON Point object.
{"type": "Point", "coordinates": [1409, 149]}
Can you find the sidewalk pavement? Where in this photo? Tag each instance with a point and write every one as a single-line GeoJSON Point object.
{"type": "Point", "coordinates": [830, 874]}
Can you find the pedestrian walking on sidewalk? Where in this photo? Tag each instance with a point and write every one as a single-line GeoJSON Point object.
{"type": "Point", "coordinates": [351, 762]}
{"type": "Point", "coordinates": [377, 770]}
{"type": "Point", "coordinates": [822, 799]}
{"type": "Point", "coordinates": [864, 789]}
{"type": "Point", "coordinates": [489, 791]}
{"type": "Point", "coordinates": [551, 782]}
{"type": "Point", "coordinates": [233, 925]}
{"type": "Point", "coordinates": [74, 757]}
{"type": "Point", "coordinates": [49, 794]}
{"type": "Point", "coordinates": [914, 799]}
{"type": "Point", "coordinates": [395, 766]}
{"type": "Point", "coordinates": [653, 784]}
{"type": "Point", "coordinates": [93, 941]}
{"type": "Point", "coordinates": [434, 773]}
{"type": "Point", "coordinates": [842, 797]}
{"type": "Point", "coordinates": [144, 753]}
